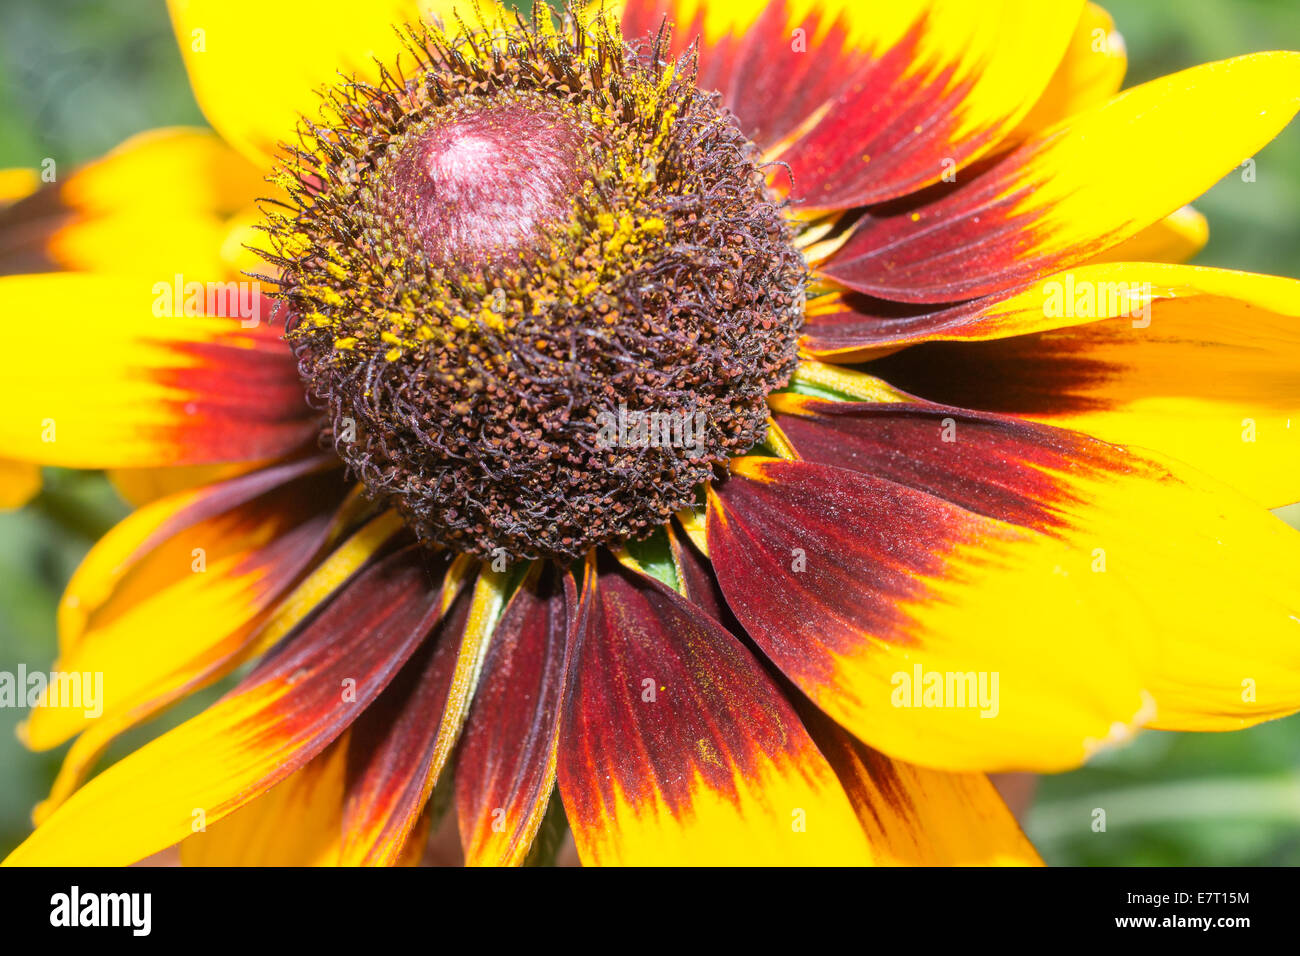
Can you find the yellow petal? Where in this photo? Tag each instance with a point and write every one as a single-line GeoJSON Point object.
{"type": "Point", "coordinates": [257, 67]}
{"type": "Point", "coordinates": [141, 486]}
{"type": "Point", "coordinates": [17, 183]}
{"type": "Point", "coordinates": [20, 482]}
{"type": "Point", "coordinates": [105, 217]}
{"type": "Point", "coordinates": [1175, 238]}
{"type": "Point", "coordinates": [296, 823]}
{"type": "Point", "coordinates": [1090, 73]}
{"type": "Point", "coordinates": [166, 170]}
{"type": "Point", "coordinates": [914, 816]}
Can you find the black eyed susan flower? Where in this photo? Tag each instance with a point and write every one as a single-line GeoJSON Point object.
{"type": "Point", "coordinates": [733, 425]}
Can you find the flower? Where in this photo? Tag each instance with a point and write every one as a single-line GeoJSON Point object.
{"type": "Point", "coordinates": [746, 475]}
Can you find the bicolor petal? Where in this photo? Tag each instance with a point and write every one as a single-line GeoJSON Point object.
{"type": "Point", "coordinates": [505, 772]}
{"type": "Point", "coordinates": [331, 574]}
{"type": "Point", "coordinates": [298, 700]}
{"type": "Point", "coordinates": [106, 216]}
{"type": "Point", "coordinates": [677, 747]}
{"type": "Point", "coordinates": [141, 486]}
{"type": "Point", "coordinates": [849, 327]}
{"type": "Point", "coordinates": [867, 102]}
{"type": "Point", "coordinates": [918, 624]}
{"type": "Point", "coordinates": [131, 383]}
{"type": "Point", "coordinates": [175, 590]}
{"type": "Point", "coordinates": [1075, 190]}
{"type": "Point", "coordinates": [932, 104]}
{"type": "Point", "coordinates": [1175, 560]}
{"type": "Point", "coordinates": [401, 745]}
{"type": "Point", "coordinates": [295, 823]}
{"type": "Point", "coordinates": [1200, 364]}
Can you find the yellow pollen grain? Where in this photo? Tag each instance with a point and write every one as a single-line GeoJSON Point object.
{"type": "Point", "coordinates": [296, 245]}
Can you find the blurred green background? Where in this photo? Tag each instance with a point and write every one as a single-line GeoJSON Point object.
{"type": "Point", "coordinates": [76, 78]}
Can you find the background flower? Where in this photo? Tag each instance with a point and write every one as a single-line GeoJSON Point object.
{"type": "Point", "coordinates": [76, 79]}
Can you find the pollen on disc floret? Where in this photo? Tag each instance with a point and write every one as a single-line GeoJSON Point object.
{"type": "Point", "coordinates": [523, 231]}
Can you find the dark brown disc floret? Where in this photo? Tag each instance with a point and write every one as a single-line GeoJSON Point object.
{"type": "Point", "coordinates": [538, 284]}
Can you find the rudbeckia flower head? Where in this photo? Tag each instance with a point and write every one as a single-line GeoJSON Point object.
{"type": "Point", "coordinates": [730, 430]}
{"type": "Point", "coordinates": [533, 201]}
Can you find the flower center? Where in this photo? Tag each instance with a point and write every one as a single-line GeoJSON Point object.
{"type": "Point", "coordinates": [541, 291]}
{"type": "Point", "coordinates": [479, 183]}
